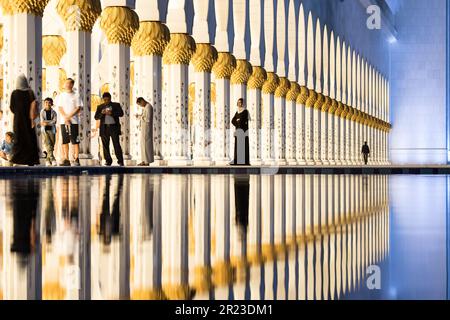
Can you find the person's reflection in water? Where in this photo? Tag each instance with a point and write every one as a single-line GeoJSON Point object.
{"type": "Point", "coordinates": [241, 195]}
{"type": "Point", "coordinates": [49, 211]}
{"type": "Point", "coordinates": [24, 197]}
{"type": "Point", "coordinates": [110, 216]}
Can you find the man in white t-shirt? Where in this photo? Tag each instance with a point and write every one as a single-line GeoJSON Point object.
{"type": "Point", "coordinates": [69, 106]}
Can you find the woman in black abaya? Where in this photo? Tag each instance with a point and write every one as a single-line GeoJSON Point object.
{"type": "Point", "coordinates": [241, 141]}
{"type": "Point", "coordinates": [24, 107]}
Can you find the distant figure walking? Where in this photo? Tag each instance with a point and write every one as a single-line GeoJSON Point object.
{"type": "Point", "coordinates": [241, 141]}
{"type": "Point", "coordinates": [146, 138]}
{"type": "Point", "coordinates": [365, 152]}
{"type": "Point", "coordinates": [24, 107]}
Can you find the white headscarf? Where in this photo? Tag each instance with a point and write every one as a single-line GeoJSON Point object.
{"type": "Point", "coordinates": [22, 83]}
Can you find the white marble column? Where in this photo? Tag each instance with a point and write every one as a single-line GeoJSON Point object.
{"type": "Point", "coordinates": [79, 19]}
{"type": "Point", "coordinates": [292, 95]}
{"type": "Point", "coordinates": [312, 96]}
{"type": "Point", "coordinates": [8, 58]}
{"type": "Point", "coordinates": [203, 60]}
{"type": "Point", "coordinates": [348, 123]}
{"type": "Point", "coordinates": [344, 112]}
{"type": "Point", "coordinates": [255, 82]}
{"type": "Point", "coordinates": [269, 88]}
{"type": "Point", "coordinates": [53, 49]}
{"type": "Point", "coordinates": [327, 104]}
{"type": "Point", "coordinates": [243, 70]}
{"type": "Point", "coordinates": [303, 95]}
{"type": "Point", "coordinates": [331, 150]}
{"type": "Point", "coordinates": [317, 112]}
{"type": "Point", "coordinates": [148, 46]}
{"type": "Point", "coordinates": [177, 56]}
{"type": "Point", "coordinates": [222, 69]}
{"type": "Point", "coordinates": [119, 42]}
{"type": "Point", "coordinates": [283, 88]}
{"type": "Point", "coordinates": [338, 111]}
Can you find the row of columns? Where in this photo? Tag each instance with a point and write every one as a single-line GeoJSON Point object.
{"type": "Point", "coordinates": [318, 111]}
{"type": "Point", "coordinates": [99, 241]}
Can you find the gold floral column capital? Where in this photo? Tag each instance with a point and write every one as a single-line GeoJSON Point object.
{"type": "Point", "coordinates": [7, 7]}
{"type": "Point", "coordinates": [319, 101]}
{"type": "Point", "coordinates": [257, 79]}
{"type": "Point", "coordinates": [293, 92]}
{"type": "Point", "coordinates": [53, 49]}
{"type": "Point", "coordinates": [34, 7]}
{"type": "Point", "coordinates": [119, 24]}
{"type": "Point", "coordinates": [204, 57]}
{"type": "Point", "coordinates": [327, 104]}
{"type": "Point", "coordinates": [339, 109]}
{"type": "Point", "coordinates": [271, 84]}
{"type": "Point", "coordinates": [283, 88]}
{"type": "Point", "coordinates": [242, 73]}
{"type": "Point", "coordinates": [303, 96]}
{"type": "Point", "coordinates": [312, 98]}
{"type": "Point", "coordinates": [333, 107]}
{"type": "Point", "coordinates": [351, 112]}
{"type": "Point", "coordinates": [79, 15]}
{"type": "Point", "coordinates": [180, 49]}
{"type": "Point", "coordinates": [151, 39]}
{"type": "Point", "coordinates": [224, 66]}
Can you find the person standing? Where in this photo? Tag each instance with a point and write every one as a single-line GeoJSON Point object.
{"type": "Point", "coordinates": [48, 125]}
{"type": "Point", "coordinates": [365, 152]}
{"type": "Point", "coordinates": [241, 141]}
{"type": "Point", "coordinates": [146, 123]}
{"type": "Point", "coordinates": [109, 113]}
{"type": "Point", "coordinates": [69, 105]}
{"type": "Point", "coordinates": [24, 107]}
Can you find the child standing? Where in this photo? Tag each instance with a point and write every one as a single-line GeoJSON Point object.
{"type": "Point", "coordinates": [48, 127]}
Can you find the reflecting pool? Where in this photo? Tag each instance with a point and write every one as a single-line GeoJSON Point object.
{"type": "Point", "coordinates": [224, 237]}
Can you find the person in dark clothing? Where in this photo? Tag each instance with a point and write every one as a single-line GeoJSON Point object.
{"type": "Point", "coordinates": [365, 152]}
{"type": "Point", "coordinates": [241, 141]}
{"type": "Point", "coordinates": [109, 113]}
{"type": "Point", "coordinates": [24, 107]}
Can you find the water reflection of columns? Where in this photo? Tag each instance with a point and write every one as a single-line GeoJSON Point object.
{"type": "Point", "coordinates": [200, 276]}
{"type": "Point", "coordinates": [254, 242]}
{"type": "Point", "coordinates": [175, 238]}
{"type": "Point", "coordinates": [220, 237]}
{"type": "Point", "coordinates": [267, 232]}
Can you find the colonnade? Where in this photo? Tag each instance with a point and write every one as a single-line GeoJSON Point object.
{"type": "Point", "coordinates": [315, 105]}
{"type": "Point", "coordinates": [224, 237]}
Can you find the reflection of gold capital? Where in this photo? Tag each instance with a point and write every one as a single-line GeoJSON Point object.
{"type": "Point", "coordinates": [177, 292]}
{"type": "Point", "coordinates": [146, 294]}
{"type": "Point", "coordinates": [312, 97]}
{"type": "Point", "coordinates": [204, 57]}
{"type": "Point", "coordinates": [79, 14]}
{"type": "Point", "coordinates": [271, 84]}
{"type": "Point", "coordinates": [242, 72]}
{"type": "Point", "coordinates": [180, 49]}
{"type": "Point", "coordinates": [119, 24]}
{"type": "Point", "coordinates": [224, 66]}
{"type": "Point", "coordinates": [293, 93]}
{"type": "Point", "coordinates": [222, 274]}
{"type": "Point", "coordinates": [319, 101]}
{"type": "Point", "coordinates": [303, 96]}
{"type": "Point", "coordinates": [202, 279]}
{"type": "Point", "coordinates": [283, 88]}
{"type": "Point", "coordinates": [257, 79]}
{"type": "Point", "coordinates": [151, 39]}
{"type": "Point", "coordinates": [53, 49]}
